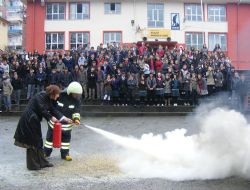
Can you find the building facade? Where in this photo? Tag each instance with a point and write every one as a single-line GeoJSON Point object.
{"type": "Point", "coordinates": [3, 9]}
{"type": "Point", "coordinates": [15, 12]}
{"type": "Point", "coordinates": [66, 24]}
{"type": "Point", "coordinates": [3, 33]}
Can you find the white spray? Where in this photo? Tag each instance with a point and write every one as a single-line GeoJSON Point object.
{"type": "Point", "coordinates": [221, 149]}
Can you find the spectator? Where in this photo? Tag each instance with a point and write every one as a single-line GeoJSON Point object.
{"type": "Point", "coordinates": [159, 89]}
{"type": "Point", "coordinates": [7, 91]}
{"type": "Point", "coordinates": [107, 89]}
{"type": "Point", "coordinates": [115, 85]}
{"type": "Point", "coordinates": [40, 80]}
{"type": "Point", "coordinates": [193, 89]}
{"type": "Point", "coordinates": [167, 90]}
{"type": "Point", "coordinates": [69, 62]}
{"type": "Point", "coordinates": [31, 81]}
{"type": "Point", "coordinates": [142, 89]}
{"type": "Point", "coordinates": [92, 76]}
{"type": "Point", "coordinates": [17, 87]}
{"type": "Point", "coordinates": [151, 85]}
{"type": "Point", "coordinates": [100, 83]}
{"type": "Point", "coordinates": [131, 82]}
{"type": "Point", "coordinates": [175, 88]}
{"type": "Point", "coordinates": [123, 89]}
{"type": "Point", "coordinates": [83, 79]}
{"type": "Point", "coordinates": [65, 78]}
{"type": "Point", "coordinates": [210, 80]}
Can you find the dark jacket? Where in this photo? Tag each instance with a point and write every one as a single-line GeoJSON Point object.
{"type": "Point", "coordinates": [68, 106]}
{"type": "Point", "coordinates": [29, 127]}
{"type": "Point", "coordinates": [17, 83]}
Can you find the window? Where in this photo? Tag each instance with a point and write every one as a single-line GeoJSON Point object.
{"type": "Point", "coordinates": [79, 11]}
{"type": "Point", "coordinates": [54, 41]}
{"type": "Point", "coordinates": [1, 2]}
{"type": "Point", "coordinates": [112, 8]}
{"type": "Point", "coordinates": [195, 40]}
{"type": "Point", "coordinates": [78, 38]}
{"type": "Point", "coordinates": [217, 39]}
{"type": "Point", "coordinates": [216, 13]}
{"type": "Point", "coordinates": [193, 12]}
{"type": "Point", "coordinates": [110, 37]}
{"type": "Point", "coordinates": [156, 15]}
{"type": "Point", "coordinates": [55, 11]}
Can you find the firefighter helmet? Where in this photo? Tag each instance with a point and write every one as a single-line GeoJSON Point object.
{"type": "Point", "coordinates": [74, 87]}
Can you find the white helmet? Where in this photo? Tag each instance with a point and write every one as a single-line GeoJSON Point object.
{"type": "Point", "coordinates": [74, 87]}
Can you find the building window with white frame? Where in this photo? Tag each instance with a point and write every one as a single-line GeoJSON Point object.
{"type": "Point", "coordinates": [79, 11]}
{"type": "Point", "coordinates": [112, 8]}
{"type": "Point", "coordinates": [54, 41]}
{"type": "Point", "coordinates": [78, 38]}
{"type": "Point", "coordinates": [111, 37]}
{"type": "Point", "coordinates": [220, 39]}
{"type": "Point", "coordinates": [216, 13]}
{"type": "Point", "coordinates": [55, 11]}
{"type": "Point", "coordinates": [155, 15]}
{"type": "Point", "coordinates": [193, 12]}
{"type": "Point", "coordinates": [195, 40]}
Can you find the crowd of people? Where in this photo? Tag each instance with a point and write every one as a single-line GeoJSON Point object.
{"type": "Point", "coordinates": [123, 75]}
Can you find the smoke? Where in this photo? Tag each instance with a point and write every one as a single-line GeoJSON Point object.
{"type": "Point", "coordinates": [221, 149]}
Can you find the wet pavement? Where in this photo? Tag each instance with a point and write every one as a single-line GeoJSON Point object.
{"type": "Point", "coordinates": [94, 164]}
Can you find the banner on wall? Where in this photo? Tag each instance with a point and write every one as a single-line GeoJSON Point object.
{"type": "Point", "coordinates": [159, 33]}
{"type": "Point", "coordinates": [175, 21]}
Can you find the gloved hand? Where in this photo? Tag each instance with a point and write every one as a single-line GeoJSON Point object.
{"type": "Point", "coordinates": [77, 122]}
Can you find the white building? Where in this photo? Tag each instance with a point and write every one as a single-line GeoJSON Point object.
{"type": "Point", "coordinates": [65, 24]}
{"type": "Point", "coordinates": [15, 9]}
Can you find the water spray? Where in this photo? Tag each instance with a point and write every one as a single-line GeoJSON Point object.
{"type": "Point", "coordinates": [221, 149]}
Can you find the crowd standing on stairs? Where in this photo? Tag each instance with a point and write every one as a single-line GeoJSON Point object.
{"type": "Point", "coordinates": [123, 75]}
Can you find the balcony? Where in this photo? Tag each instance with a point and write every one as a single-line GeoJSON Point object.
{"type": "Point", "coordinates": [15, 31]}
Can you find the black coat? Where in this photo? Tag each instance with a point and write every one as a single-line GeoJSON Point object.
{"type": "Point", "coordinates": [28, 130]}
{"type": "Point", "coordinates": [68, 106]}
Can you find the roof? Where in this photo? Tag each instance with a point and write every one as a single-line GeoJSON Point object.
{"type": "Point", "coordinates": [4, 20]}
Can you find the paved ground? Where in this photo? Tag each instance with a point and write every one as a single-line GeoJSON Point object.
{"type": "Point", "coordinates": [94, 166]}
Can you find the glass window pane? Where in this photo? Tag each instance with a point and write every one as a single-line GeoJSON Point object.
{"type": "Point", "coordinates": [61, 8]}
{"type": "Point", "coordinates": [49, 8]}
{"type": "Point", "coordinates": [79, 38]}
{"type": "Point", "coordinates": [159, 24]}
{"type": "Point", "coordinates": [118, 37]}
{"type": "Point", "coordinates": [106, 7]}
{"type": "Point", "coordinates": [54, 38]}
{"type": "Point", "coordinates": [194, 39]}
{"type": "Point", "coordinates": [79, 8]}
{"type": "Point", "coordinates": [48, 46]}
{"type": "Point", "coordinates": [118, 8]}
{"type": "Point", "coordinates": [55, 8]}
{"type": "Point", "coordinates": [60, 46]}
{"type": "Point", "coordinates": [151, 23]}
{"type": "Point", "coordinates": [72, 10]}
{"type": "Point", "coordinates": [188, 39]}
{"type": "Point", "coordinates": [48, 38]}
{"type": "Point", "coordinates": [55, 16]}
{"type": "Point", "coordinates": [49, 17]}
{"type": "Point", "coordinates": [188, 10]}
{"type": "Point", "coordinates": [60, 38]}
{"type": "Point", "coordinates": [61, 16]}
{"type": "Point", "coordinates": [161, 15]}
{"type": "Point", "coordinates": [150, 15]}
{"type": "Point", "coordinates": [73, 38]}
{"type": "Point", "coordinates": [54, 46]}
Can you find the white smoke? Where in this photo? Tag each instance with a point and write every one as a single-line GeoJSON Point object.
{"type": "Point", "coordinates": [221, 149]}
